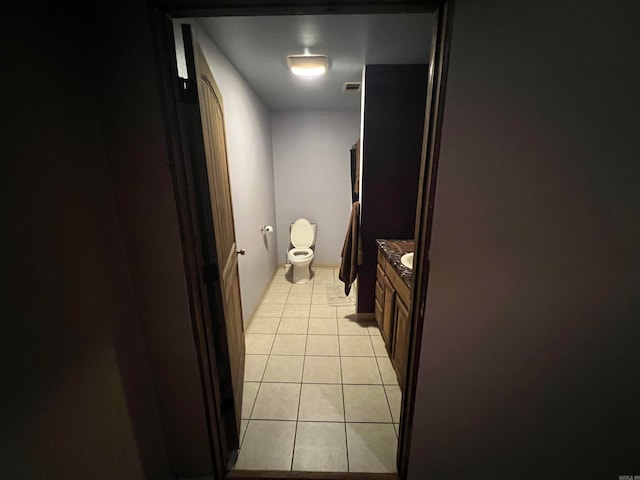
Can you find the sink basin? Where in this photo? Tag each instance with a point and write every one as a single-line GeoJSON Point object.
{"type": "Point", "coordinates": [407, 260]}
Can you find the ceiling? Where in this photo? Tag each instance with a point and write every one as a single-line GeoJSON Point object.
{"type": "Point", "coordinates": [258, 48]}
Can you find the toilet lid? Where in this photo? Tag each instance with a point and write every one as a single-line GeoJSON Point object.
{"type": "Point", "coordinates": [301, 233]}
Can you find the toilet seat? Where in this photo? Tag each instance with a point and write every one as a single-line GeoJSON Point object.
{"type": "Point", "coordinates": [302, 234]}
{"type": "Point", "coordinates": [299, 254]}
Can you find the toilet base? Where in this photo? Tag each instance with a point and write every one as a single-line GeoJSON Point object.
{"type": "Point", "coordinates": [301, 273]}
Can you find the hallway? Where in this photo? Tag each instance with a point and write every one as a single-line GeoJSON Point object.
{"type": "Point", "coordinates": [320, 393]}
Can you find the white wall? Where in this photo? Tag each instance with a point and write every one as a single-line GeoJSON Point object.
{"type": "Point", "coordinates": [248, 131]}
{"type": "Point", "coordinates": [313, 176]}
{"type": "Point", "coordinates": [530, 351]}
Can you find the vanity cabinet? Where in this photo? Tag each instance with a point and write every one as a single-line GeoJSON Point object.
{"type": "Point", "coordinates": [392, 297]}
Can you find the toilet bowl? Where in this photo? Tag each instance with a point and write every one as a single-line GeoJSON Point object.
{"type": "Point", "coordinates": [300, 256]}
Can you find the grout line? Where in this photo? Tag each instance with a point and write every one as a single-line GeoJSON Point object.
{"type": "Point", "coordinates": [264, 371]}
{"type": "Point", "coordinates": [344, 401]}
{"type": "Point", "coordinates": [243, 434]}
{"type": "Point", "coordinates": [301, 383]}
{"type": "Point", "coordinates": [295, 435]}
{"type": "Point", "coordinates": [388, 402]}
{"type": "Point", "coordinates": [384, 386]}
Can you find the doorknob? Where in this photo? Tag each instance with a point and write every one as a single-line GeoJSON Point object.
{"type": "Point", "coordinates": [241, 251]}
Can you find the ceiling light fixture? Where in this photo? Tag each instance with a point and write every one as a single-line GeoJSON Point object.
{"type": "Point", "coordinates": [308, 65]}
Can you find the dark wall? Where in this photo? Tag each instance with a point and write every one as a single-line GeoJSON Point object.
{"type": "Point", "coordinates": [530, 347]}
{"type": "Point", "coordinates": [529, 357]}
{"type": "Point", "coordinates": [100, 378]}
{"type": "Point", "coordinates": [76, 399]}
{"type": "Point", "coordinates": [131, 113]}
{"type": "Point", "coordinates": [394, 105]}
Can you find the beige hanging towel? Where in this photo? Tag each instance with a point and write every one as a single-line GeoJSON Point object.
{"type": "Point", "coordinates": [351, 250]}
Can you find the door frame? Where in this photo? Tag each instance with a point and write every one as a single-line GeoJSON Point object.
{"type": "Point", "coordinates": [162, 14]}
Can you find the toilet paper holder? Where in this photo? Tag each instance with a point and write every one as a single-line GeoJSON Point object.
{"type": "Point", "coordinates": [266, 229]}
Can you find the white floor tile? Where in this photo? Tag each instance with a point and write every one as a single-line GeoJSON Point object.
{"type": "Point", "coordinates": [372, 326]}
{"type": "Point", "coordinates": [365, 403]}
{"type": "Point", "coordinates": [351, 327]}
{"type": "Point", "coordinates": [289, 345]}
{"type": "Point", "coordinates": [323, 345]}
{"type": "Point", "coordinates": [284, 368]}
{"type": "Point", "coordinates": [249, 392]}
{"type": "Point", "coordinates": [378, 346]}
{"type": "Point", "coordinates": [321, 403]}
{"type": "Point", "coordinates": [346, 312]}
{"type": "Point", "coordinates": [293, 325]}
{"type": "Point", "coordinates": [296, 310]}
{"type": "Point", "coordinates": [243, 429]}
{"type": "Point", "coordinates": [360, 370]}
{"type": "Point", "coordinates": [356, 346]}
{"type": "Point", "coordinates": [281, 288]}
{"type": "Point", "coordinates": [267, 445]}
{"type": "Point", "coordinates": [319, 299]}
{"type": "Point", "coordinates": [275, 298]}
{"type": "Point", "coordinates": [324, 279]}
{"type": "Point", "coordinates": [270, 310]}
{"type": "Point", "coordinates": [264, 325]}
{"type": "Point", "coordinates": [320, 446]}
{"type": "Point", "coordinates": [254, 366]}
{"type": "Point", "coordinates": [387, 372]}
{"type": "Point", "coordinates": [323, 326]}
{"type": "Point", "coordinates": [322, 370]}
{"type": "Point", "coordinates": [394, 396]}
{"type": "Point", "coordinates": [258, 343]}
{"type": "Point", "coordinates": [323, 311]}
{"type": "Point", "coordinates": [375, 332]}
{"type": "Point", "coordinates": [277, 401]}
{"type": "Point", "coordinates": [310, 362]}
{"type": "Point", "coordinates": [372, 447]}
{"type": "Point", "coordinates": [280, 277]}
{"type": "Point", "coordinates": [301, 289]}
{"type": "Point", "coordinates": [320, 289]}
{"type": "Point", "coordinates": [299, 299]}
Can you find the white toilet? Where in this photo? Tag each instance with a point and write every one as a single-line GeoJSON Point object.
{"type": "Point", "coordinates": [303, 237]}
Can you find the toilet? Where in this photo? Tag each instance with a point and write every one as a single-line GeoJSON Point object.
{"type": "Point", "coordinates": [303, 237]}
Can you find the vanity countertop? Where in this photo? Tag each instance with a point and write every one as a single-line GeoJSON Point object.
{"type": "Point", "coordinates": [393, 250]}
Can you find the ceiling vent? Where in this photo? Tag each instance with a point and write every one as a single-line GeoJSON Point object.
{"type": "Point", "coordinates": [351, 87]}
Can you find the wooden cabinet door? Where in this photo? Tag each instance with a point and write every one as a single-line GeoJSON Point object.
{"type": "Point", "coordinates": [388, 315]}
{"type": "Point", "coordinates": [379, 302]}
{"type": "Point", "coordinates": [401, 341]}
{"type": "Point", "coordinates": [379, 312]}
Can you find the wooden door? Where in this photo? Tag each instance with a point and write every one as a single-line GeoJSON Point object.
{"type": "Point", "coordinates": [220, 269]}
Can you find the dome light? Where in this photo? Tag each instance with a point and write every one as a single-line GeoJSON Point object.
{"type": "Point", "coordinates": [308, 65]}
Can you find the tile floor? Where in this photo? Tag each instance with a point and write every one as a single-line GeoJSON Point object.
{"type": "Point", "coordinates": [320, 393]}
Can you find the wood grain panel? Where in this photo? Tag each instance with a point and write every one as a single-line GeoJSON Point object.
{"type": "Point", "coordinates": [212, 119]}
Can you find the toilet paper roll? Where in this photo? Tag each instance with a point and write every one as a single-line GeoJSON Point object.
{"type": "Point", "coordinates": [267, 229]}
